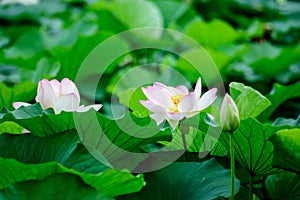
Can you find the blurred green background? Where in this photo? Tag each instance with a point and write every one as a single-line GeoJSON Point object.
{"type": "Point", "coordinates": [255, 42]}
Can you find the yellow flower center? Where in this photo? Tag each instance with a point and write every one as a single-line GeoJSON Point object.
{"type": "Point", "coordinates": [176, 100]}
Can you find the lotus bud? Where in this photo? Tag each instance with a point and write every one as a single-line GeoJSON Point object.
{"type": "Point", "coordinates": [230, 119]}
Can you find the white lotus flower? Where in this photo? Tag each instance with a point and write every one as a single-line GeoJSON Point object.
{"type": "Point", "coordinates": [229, 114]}
{"type": "Point", "coordinates": [174, 104]}
{"type": "Point", "coordinates": [61, 96]}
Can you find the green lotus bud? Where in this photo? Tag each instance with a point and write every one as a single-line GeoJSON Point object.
{"type": "Point", "coordinates": [230, 119]}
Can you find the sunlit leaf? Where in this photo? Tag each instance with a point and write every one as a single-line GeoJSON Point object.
{"type": "Point", "coordinates": [249, 101]}
{"type": "Point", "coordinates": [131, 98]}
{"type": "Point", "coordinates": [129, 12]}
{"type": "Point", "coordinates": [172, 10]}
{"type": "Point", "coordinates": [208, 33]}
{"type": "Point", "coordinates": [10, 127]}
{"type": "Point", "coordinates": [287, 144]}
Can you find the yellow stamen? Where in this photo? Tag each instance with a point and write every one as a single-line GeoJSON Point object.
{"type": "Point", "coordinates": [175, 100]}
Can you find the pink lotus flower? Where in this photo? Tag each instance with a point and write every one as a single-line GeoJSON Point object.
{"type": "Point", "coordinates": [174, 104]}
{"type": "Point", "coordinates": [61, 96]}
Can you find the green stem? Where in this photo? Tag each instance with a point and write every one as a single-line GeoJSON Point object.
{"type": "Point", "coordinates": [251, 179]}
{"type": "Point", "coordinates": [184, 146]}
{"type": "Point", "coordinates": [232, 166]}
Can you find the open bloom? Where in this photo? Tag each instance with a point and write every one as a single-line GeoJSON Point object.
{"type": "Point", "coordinates": [229, 114]}
{"type": "Point", "coordinates": [174, 104]}
{"type": "Point", "coordinates": [61, 96]}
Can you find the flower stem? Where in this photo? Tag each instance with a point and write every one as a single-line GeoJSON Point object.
{"type": "Point", "coordinates": [184, 146]}
{"type": "Point", "coordinates": [251, 179]}
{"type": "Point", "coordinates": [183, 130]}
{"type": "Point", "coordinates": [232, 167]}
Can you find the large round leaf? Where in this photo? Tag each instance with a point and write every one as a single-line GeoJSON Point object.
{"type": "Point", "coordinates": [285, 186]}
{"type": "Point", "coordinates": [119, 141]}
{"type": "Point", "coordinates": [69, 187]}
{"type": "Point", "coordinates": [192, 180]}
{"type": "Point", "coordinates": [24, 91]}
{"type": "Point", "coordinates": [138, 14]}
{"type": "Point", "coordinates": [110, 182]}
{"type": "Point", "coordinates": [287, 145]}
{"type": "Point", "coordinates": [252, 148]}
{"type": "Point", "coordinates": [64, 148]}
{"type": "Point", "coordinates": [112, 139]}
{"type": "Point", "coordinates": [249, 101]}
{"type": "Point", "coordinates": [279, 95]}
{"type": "Point", "coordinates": [38, 121]}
